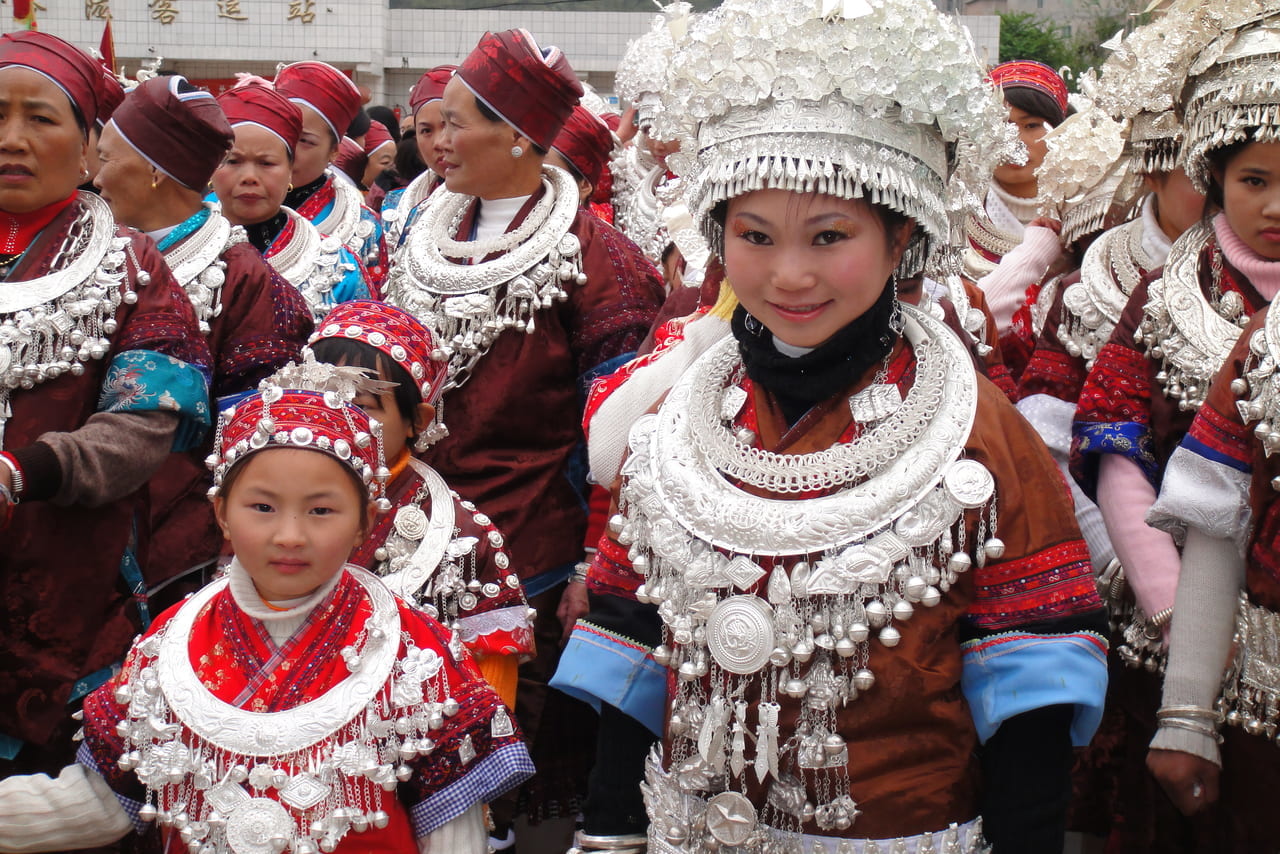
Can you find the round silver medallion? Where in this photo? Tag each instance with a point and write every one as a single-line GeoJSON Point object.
{"type": "Point", "coordinates": [257, 827]}
{"type": "Point", "coordinates": [740, 634]}
{"type": "Point", "coordinates": [411, 522]}
{"type": "Point", "coordinates": [730, 818]}
{"type": "Point", "coordinates": [968, 483]}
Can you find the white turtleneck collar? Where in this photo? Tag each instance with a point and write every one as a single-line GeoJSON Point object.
{"type": "Point", "coordinates": [496, 215]}
{"type": "Point", "coordinates": [1154, 241]}
{"type": "Point", "coordinates": [279, 624]}
{"type": "Point", "coordinates": [1010, 213]}
{"type": "Point", "coordinates": [791, 351]}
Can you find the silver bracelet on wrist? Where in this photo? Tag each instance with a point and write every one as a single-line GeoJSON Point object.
{"type": "Point", "coordinates": [1191, 726]}
{"type": "Point", "coordinates": [16, 481]}
{"type": "Point", "coordinates": [580, 571]}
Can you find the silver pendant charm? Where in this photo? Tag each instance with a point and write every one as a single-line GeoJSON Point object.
{"type": "Point", "coordinates": [740, 634]}
{"type": "Point", "coordinates": [501, 725]}
{"type": "Point", "coordinates": [731, 403]}
{"type": "Point", "coordinates": [969, 483]}
{"type": "Point", "coordinates": [875, 403]}
{"type": "Point", "coordinates": [411, 522]}
{"type": "Point", "coordinates": [730, 818]}
{"type": "Point", "coordinates": [259, 826]}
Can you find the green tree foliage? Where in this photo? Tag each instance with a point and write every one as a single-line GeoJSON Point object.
{"type": "Point", "coordinates": [1027, 36]}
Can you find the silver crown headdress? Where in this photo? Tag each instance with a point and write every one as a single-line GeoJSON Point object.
{"type": "Point", "coordinates": [642, 74]}
{"type": "Point", "coordinates": [882, 99]}
{"type": "Point", "coordinates": [1142, 80]}
{"type": "Point", "coordinates": [1234, 93]}
{"type": "Point", "coordinates": [1085, 180]}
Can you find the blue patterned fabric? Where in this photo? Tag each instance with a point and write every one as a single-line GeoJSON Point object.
{"type": "Point", "coordinates": [1127, 438]}
{"type": "Point", "coordinates": [147, 381]}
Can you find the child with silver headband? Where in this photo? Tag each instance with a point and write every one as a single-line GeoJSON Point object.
{"type": "Point", "coordinates": [876, 625]}
{"type": "Point", "coordinates": [296, 704]}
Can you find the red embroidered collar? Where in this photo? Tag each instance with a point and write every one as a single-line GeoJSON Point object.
{"type": "Point", "coordinates": [17, 230]}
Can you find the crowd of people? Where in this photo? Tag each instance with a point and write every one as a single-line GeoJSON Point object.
{"type": "Point", "coordinates": [841, 448]}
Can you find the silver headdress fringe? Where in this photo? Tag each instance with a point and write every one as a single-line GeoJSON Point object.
{"type": "Point", "coordinates": [875, 99]}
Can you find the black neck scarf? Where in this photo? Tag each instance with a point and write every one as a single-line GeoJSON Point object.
{"type": "Point", "coordinates": [262, 233]}
{"type": "Point", "coordinates": [799, 383]}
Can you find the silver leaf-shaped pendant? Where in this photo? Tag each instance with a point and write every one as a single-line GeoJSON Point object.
{"type": "Point", "coordinates": [779, 586]}
{"type": "Point", "coordinates": [731, 403]}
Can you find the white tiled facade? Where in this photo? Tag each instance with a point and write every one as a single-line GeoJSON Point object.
{"type": "Point", "coordinates": [386, 49]}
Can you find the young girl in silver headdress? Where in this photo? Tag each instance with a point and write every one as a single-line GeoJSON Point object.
{"type": "Point", "coordinates": [858, 563]}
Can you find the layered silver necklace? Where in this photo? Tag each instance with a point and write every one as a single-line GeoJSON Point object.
{"type": "Point", "coordinates": [312, 263]}
{"type": "Point", "coordinates": [196, 262]}
{"type": "Point", "coordinates": [470, 304]}
{"type": "Point", "coordinates": [1188, 334]}
{"type": "Point", "coordinates": [761, 596]}
{"type": "Point", "coordinates": [61, 321]}
{"type": "Point", "coordinates": [227, 779]}
{"type": "Point", "coordinates": [395, 220]}
{"type": "Point", "coordinates": [1111, 270]}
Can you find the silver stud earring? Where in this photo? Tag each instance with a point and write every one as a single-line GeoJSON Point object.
{"type": "Point", "coordinates": [517, 152]}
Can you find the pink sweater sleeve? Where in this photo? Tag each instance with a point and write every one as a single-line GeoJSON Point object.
{"type": "Point", "coordinates": [1006, 286]}
{"type": "Point", "coordinates": [1150, 558]}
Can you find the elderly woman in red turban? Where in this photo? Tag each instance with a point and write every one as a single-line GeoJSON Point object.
{"type": "Point", "coordinates": [158, 151]}
{"type": "Point", "coordinates": [102, 372]}
{"type": "Point", "coordinates": [533, 298]}
{"type": "Point", "coordinates": [329, 102]}
{"type": "Point", "coordinates": [252, 182]}
{"type": "Point", "coordinates": [583, 148]}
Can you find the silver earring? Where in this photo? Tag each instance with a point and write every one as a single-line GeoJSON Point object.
{"type": "Point", "coordinates": [517, 152]}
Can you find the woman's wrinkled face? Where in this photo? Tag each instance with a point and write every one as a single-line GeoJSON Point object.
{"type": "Point", "coordinates": [254, 177]}
{"type": "Point", "coordinates": [474, 152]}
{"type": "Point", "coordinates": [805, 264]}
{"type": "Point", "coordinates": [43, 151]}
{"type": "Point", "coordinates": [1251, 197]}
{"type": "Point", "coordinates": [125, 180]}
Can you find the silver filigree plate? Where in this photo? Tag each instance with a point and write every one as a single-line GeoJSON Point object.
{"type": "Point", "coordinates": [345, 215]}
{"type": "Point", "coordinates": [267, 734]}
{"type": "Point", "coordinates": [696, 496]}
{"type": "Point", "coordinates": [296, 262]}
{"type": "Point", "coordinates": [740, 634]}
{"type": "Point", "coordinates": [259, 826]}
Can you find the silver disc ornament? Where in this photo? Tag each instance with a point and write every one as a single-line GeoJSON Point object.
{"type": "Point", "coordinates": [259, 826]}
{"type": "Point", "coordinates": [740, 634]}
{"type": "Point", "coordinates": [730, 818]}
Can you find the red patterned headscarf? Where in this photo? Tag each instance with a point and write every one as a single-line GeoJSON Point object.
{"type": "Point", "coordinates": [430, 86]}
{"type": "Point", "coordinates": [394, 332]}
{"type": "Point", "coordinates": [376, 137]}
{"type": "Point", "coordinates": [532, 89]}
{"type": "Point", "coordinates": [72, 70]}
{"type": "Point", "coordinates": [586, 142]}
{"type": "Point", "coordinates": [324, 89]}
{"type": "Point", "coordinates": [253, 102]}
{"type": "Point", "coordinates": [1029, 74]}
{"type": "Point", "coordinates": [176, 127]}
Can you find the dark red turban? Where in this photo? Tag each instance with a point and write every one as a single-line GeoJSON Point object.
{"type": "Point", "coordinates": [532, 89]}
{"type": "Point", "coordinates": [377, 137]}
{"type": "Point", "coordinates": [324, 89]}
{"type": "Point", "coordinates": [177, 128]}
{"type": "Point", "coordinates": [351, 159]}
{"type": "Point", "coordinates": [76, 73]}
{"type": "Point", "coordinates": [586, 142]}
{"type": "Point", "coordinates": [110, 96]}
{"type": "Point", "coordinates": [253, 103]}
{"type": "Point", "coordinates": [430, 86]}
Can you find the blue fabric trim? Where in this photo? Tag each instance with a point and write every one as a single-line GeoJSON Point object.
{"type": "Point", "coordinates": [131, 807]}
{"type": "Point", "coordinates": [1126, 438]}
{"type": "Point", "coordinates": [147, 381]}
{"type": "Point", "coordinates": [184, 228]}
{"type": "Point", "coordinates": [500, 771]}
{"type": "Point", "coordinates": [352, 285]}
{"type": "Point", "coordinates": [10, 746]}
{"type": "Point", "coordinates": [1200, 449]}
{"type": "Point", "coordinates": [86, 685]}
{"type": "Point", "coordinates": [1010, 674]}
{"type": "Point", "coordinates": [596, 668]}
{"type": "Point", "coordinates": [544, 581]}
